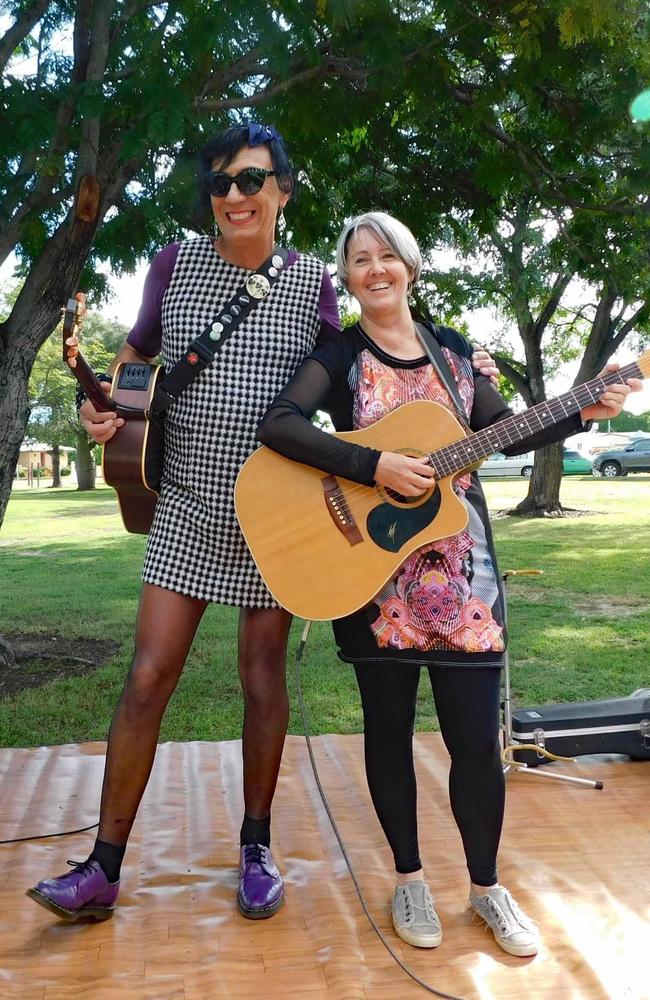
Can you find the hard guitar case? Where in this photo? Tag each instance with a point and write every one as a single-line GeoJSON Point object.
{"type": "Point", "coordinates": [618, 725]}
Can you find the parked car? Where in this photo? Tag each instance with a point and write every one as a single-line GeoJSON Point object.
{"type": "Point", "coordinates": [575, 464]}
{"type": "Point", "coordinates": [635, 457]}
{"type": "Point", "coordinates": [500, 465]}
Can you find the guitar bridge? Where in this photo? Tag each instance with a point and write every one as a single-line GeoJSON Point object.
{"type": "Point", "coordinates": [339, 511]}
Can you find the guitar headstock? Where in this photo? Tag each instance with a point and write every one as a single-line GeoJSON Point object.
{"type": "Point", "coordinates": [73, 318]}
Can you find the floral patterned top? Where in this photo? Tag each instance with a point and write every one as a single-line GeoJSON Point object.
{"type": "Point", "coordinates": [445, 605]}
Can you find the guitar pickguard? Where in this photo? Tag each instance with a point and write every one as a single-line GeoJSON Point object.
{"type": "Point", "coordinates": [391, 527]}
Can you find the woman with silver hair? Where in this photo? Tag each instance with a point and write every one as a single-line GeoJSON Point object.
{"type": "Point", "coordinates": [444, 608]}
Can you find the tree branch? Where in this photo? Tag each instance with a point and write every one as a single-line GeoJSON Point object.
{"type": "Point", "coordinates": [39, 196]}
{"type": "Point", "coordinates": [333, 67]}
{"type": "Point", "coordinates": [20, 29]}
{"type": "Point", "coordinates": [96, 66]}
{"type": "Point", "coordinates": [515, 375]}
{"type": "Point", "coordinates": [552, 302]}
{"type": "Point", "coordinates": [130, 10]}
{"type": "Point", "coordinates": [247, 65]}
{"type": "Point", "coordinates": [639, 316]}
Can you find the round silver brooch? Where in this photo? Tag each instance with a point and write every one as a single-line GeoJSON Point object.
{"type": "Point", "coordinates": [258, 286]}
{"type": "Point", "coordinates": [216, 331]}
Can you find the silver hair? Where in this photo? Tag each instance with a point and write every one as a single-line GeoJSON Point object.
{"type": "Point", "coordinates": [390, 231]}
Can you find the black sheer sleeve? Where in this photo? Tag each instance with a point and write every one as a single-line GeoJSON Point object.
{"type": "Point", "coordinates": [490, 407]}
{"type": "Point", "coordinates": [287, 428]}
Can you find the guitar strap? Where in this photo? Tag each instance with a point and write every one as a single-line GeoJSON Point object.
{"type": "Point", "coordinates": [202, 351]}
{"type": "Point", "coordinates": [429, 340]}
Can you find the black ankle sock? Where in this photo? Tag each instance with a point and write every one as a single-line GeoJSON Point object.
{"type": "Point", "coordinates": [109, 857]}
{"type": "Point", "coordinates": [256, 831]}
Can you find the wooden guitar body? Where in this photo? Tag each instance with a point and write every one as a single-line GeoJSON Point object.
{"type": "Point", "coordinates": [132, 459]}
{"type": "Point", "coordinates": [326, 546]}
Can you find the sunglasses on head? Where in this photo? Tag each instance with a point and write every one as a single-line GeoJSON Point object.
{"type": "Point", "coordinates": [249, 181]}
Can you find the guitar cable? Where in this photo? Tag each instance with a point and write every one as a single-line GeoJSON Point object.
{"type": "Point", "coordinates": [380, 934]}
{"type": "Point", "coordinates": [43, 836]}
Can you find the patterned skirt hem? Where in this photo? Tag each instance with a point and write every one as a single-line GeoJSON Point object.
{"type": "Point", "coordinates": [213, 597]}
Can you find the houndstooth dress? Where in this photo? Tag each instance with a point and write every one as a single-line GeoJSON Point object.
{"type": "Point", "coordinates": [195, 546]}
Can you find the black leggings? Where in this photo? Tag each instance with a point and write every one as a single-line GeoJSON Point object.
{"type": "Point", "coordinates": [467, 703]}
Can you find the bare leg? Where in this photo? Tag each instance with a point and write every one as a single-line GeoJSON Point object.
{"type": "Point", "coordinates": [166, 626]}
{"type": "Point", "coordinates": [263, 635]}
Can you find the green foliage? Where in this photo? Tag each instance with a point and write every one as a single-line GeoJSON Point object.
{"type": "Point", "coordinates": [631, 422]}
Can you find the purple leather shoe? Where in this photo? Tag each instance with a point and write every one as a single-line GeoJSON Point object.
{"type": "Point", "coordinates": [261, 890]}
{"type": "Point", "coordinates": [83, 892]}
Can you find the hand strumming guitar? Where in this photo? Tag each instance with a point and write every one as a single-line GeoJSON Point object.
{"type": "Point", "coordinates": [405, 475]}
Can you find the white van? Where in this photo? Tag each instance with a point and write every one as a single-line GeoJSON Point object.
{"type": "Point", "coordinates": [500, 465]}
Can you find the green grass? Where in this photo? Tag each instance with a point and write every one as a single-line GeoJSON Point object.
{"type": "Point", "coordinates": [579, 631]}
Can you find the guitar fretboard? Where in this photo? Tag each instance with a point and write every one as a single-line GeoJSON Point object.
{"type": "Point", "coordinates": [463, 454]}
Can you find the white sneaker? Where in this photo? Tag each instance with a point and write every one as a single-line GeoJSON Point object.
{"type": "Point", "coordinates": [414, 917]}
{"type": "Point", "coordinates": [512, 929]}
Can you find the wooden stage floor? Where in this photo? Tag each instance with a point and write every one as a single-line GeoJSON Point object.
{"type": "Point", "coordinates": [577, 859]}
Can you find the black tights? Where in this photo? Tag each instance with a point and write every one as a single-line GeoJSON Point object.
{"type": "Point", "coordinates": [467, 703]}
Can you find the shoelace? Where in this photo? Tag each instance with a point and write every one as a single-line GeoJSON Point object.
{"type": "Point", "coordinates": [254, 854]}
{"type": "Point", "coordinates": [498, 913]}
{"type": "Point", "coordinates": [409, 904]}
{"type": "Point", "coordinates": [520, 920]}
{"type": "Point", "coordinates": [80, 867]}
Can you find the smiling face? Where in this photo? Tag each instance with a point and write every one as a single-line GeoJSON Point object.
{"type": "Point", "coordinates": [377, 277]}
{"type": "Point", "coordinates": [249, 219]}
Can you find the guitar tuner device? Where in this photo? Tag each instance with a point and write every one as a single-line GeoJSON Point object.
{"type": "Point", "coordinates": [134, 376]}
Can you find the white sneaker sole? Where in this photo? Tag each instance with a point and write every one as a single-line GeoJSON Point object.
{"type": "Point", "coordinates": [417, 940]}
{"type": "Point", "coordinates": [518, 950]}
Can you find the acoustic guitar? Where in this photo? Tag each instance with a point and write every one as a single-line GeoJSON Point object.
{"type": "Point", "coordinates": [325, 546]}
{"type": "Point", "coordinates": [132, 459]}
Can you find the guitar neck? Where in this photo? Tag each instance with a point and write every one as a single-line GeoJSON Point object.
{"type": "Point", "coordinates": [464, 454]}
{"type": "Point", "coordinates": [91, 384]}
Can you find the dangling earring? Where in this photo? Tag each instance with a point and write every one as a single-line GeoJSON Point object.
{"type": "Point", "coordinates": [409, 289]}
{"type": "Point", "coordinates": [282, 222]}
{"type": "Point", "coordinates": [216, 230]}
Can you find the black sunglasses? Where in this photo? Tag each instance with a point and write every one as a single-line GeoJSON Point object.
{"type": "Point", "coordinates": [249, 181]}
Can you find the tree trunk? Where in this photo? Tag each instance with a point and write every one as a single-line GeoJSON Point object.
{"type": "Point", "coordinates": [15, 365]}
{"type": "Point", "coordinates": [36, 312]}
{"type": "Point", "coordinates": [56, 465]}
{"type": "Point", "coordinates": [543, 498]}
{"type": "Point", "coordinates": [85, 462]}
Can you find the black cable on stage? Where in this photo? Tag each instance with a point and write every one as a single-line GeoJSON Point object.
{"type": "Point", "coordinates": [321, 792]}
{"type": "Point", "coordinates": [43, 836]}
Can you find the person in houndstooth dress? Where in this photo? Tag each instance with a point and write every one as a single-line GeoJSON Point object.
{"type": "Point", "coordinates": [196, 553]}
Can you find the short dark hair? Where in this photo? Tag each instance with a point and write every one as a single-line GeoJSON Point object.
{"type": "Point", "coordinates": [225, 146]}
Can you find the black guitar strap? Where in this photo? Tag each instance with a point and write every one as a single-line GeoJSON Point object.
{"type": "Point", "coordinates": [201, 352]}
{"type": "Point", "coordinates": [429, 340]}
